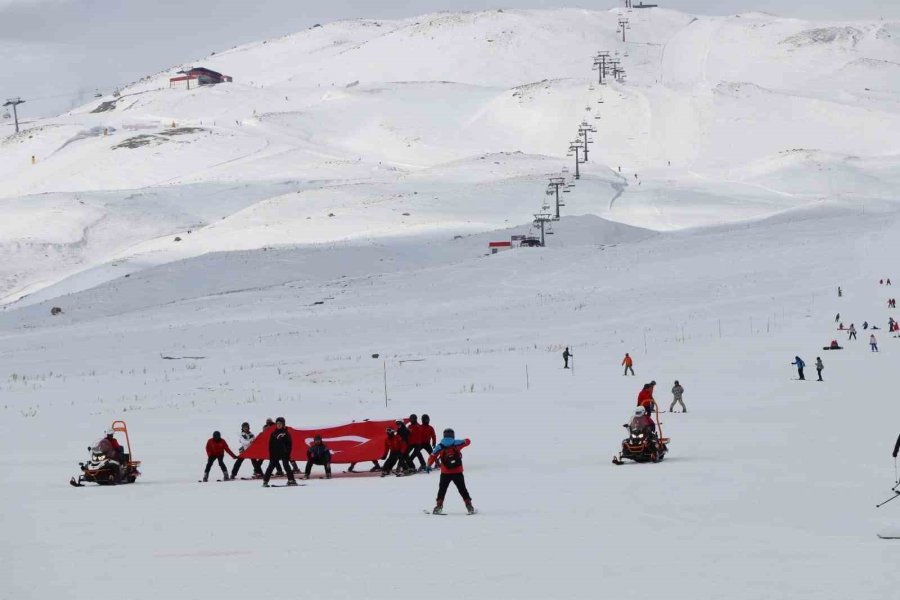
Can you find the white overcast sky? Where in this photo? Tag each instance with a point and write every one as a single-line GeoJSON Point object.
{"type": "Point", "coordinates": [55, 53]}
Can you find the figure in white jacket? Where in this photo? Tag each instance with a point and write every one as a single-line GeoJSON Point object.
{"type": "Point", "coordinates": [246, 438]}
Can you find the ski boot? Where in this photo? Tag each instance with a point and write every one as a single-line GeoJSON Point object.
{"type": "Point", "coordinates": [292, 482]}
{"type": "Point", "coordinates": [374, 469]}
{"type": "Point", "coordinates": [469, 508]}
{"type": "Point", "coordinates": [205, 477]}
{"type": "Point", "coordinates": [225, 477]}
{"type": "Point", "coordinates": [306, 477]}
{"type": "Point", "coordinates": [265, 484]}
{"type": "Point", "coordinates": [327, 475]}
{"type": "Point", "coordinates": [438, 509]}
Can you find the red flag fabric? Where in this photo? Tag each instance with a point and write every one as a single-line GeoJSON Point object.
{"type": "Point", "coordinates": [354, 442]}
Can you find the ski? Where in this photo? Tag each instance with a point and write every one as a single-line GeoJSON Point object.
{"type": "Point", "coordinates": [284, 485]}
{"type": "Point", "coordinates": [617, 461]}
{"type": "Point", "coordinates": [434, 514]}
{"type": "Point", "coordinates": [889, 537]}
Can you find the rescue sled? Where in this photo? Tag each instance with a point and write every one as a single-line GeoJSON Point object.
{"type": "Point", "coordinates": [109, 470]}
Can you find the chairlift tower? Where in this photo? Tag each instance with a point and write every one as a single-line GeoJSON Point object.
{"type": "Point", "coordinates": [556, 183]}
{"type": "Point", "coordinates": [600, 65]}
{"type": "Point", "coordinates": [583, 130]}
{"type": "Point", "coordinates": [576, 148]}
{"type": "Point", "coordinates": [14, 102]}
{"type": "Point", "coordinates": [623, 25]}
{"type": "Point", "coordinates": [541, 220]}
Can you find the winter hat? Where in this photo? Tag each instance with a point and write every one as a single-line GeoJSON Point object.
{"type": "Point", "coordinates": [413, 418]}
{"type": "Point", "coordinates": [280, 420]}
{"type": "Point", "coordinates": [245, 424]}
{"type": "Point", "coordinates": [318, 438]}
{"type": "Point", "coordinates": [426, 419]}
{"type": "Point", "coordinates": [217, 435]}
{"type": "Point", "coordinates": [449, 433]}
{"type": "Point", "coordinates": [676, 382]}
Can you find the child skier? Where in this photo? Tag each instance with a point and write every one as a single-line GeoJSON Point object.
{"type": "Point", "coordinates": [449, 452]}
{"type": "Point", "coordinates": [677, 393]}
{"type": "Point", "coordinates": [216, 448]}
{"type": "Point", "coordinates": [628, 362]}
{"type": "Point", "coordinates": [247, 438]}
{"type": "Point", "coordinates": [318, 454]}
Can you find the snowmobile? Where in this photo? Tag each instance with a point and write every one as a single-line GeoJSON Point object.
{"type": "Point", "coordinates": [643, 445]}
{"type": "Point", "coordinates": [109, 470]}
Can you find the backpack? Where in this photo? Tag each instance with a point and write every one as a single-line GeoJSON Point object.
{"type": "Point", "coordinates": [451, 457]}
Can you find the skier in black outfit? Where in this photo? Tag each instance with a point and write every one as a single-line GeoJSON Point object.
{"type": "Point", "coordinates": [897, 446]}
{"type": "Point", "coordinates": [318, 454]}
{"type": "Point", "coordinates": [280, 446]}
{"type": "Point", "coordinates": [405, 460]}
{"type": "Point", "coordinates": [566, 355]}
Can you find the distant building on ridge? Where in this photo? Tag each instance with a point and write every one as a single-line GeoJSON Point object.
{"type": "Point", "coordinates": [197, 75]}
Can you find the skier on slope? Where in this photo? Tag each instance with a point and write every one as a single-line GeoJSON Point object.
{"type": "Point", "coordinates": [405, 464]}
{"type": "Point", "coordinates": [247, 438]}
{"type": "Point", "coordinates": [280, 446]}
{"type": "Point", "coordinates": [645, 397]}
{"type": "Point", "coordinates": [628, 362]}
{"type": "Point", "coordinates": [677, 393]}
{"type": "Point", "coordinates": [873, 343]}
{"type": "Point", "coordinates": [318, 454]}
{"type": "Point", "coordinates": [819, 366]}
{"type": "Point", "coordinates": [416, 442]}
{"type": "Point", "coordinates": [394, 447]}
{"type": "Point", "coordinates": [566, 355]}
{"type": "Point", "coordinates": [429, 436]}
{"type": "Point", "coordinates": [897, 446]}
{"type": "Point", "coordinates": [216, 448]}
{"type": "Point", "coordinates": [800, 366]}
{"type": "Point", "coordinates": [449, 452]}
{"type": "Point", "coordinates": [851, 333]}
{"type": "Point", "coordinates": [270, 424]}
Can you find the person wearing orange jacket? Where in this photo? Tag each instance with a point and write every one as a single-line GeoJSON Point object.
{"type": "Point", "coordinates": [216, 448]}
{"type": "Point", "coordinates": [449, 453]}
{"type": "Point", "coordinates": [628, 362]}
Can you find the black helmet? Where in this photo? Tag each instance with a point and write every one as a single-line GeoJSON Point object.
{"type": "Point", "coordinates": [449, 433]}
{"type": "Point", "coordinates": [245, 424]}
{"type": "Point", "coordinates": [216, 435]}
{"type": "Point", "coordinates": [413, 418]}
{"type": "Point", "coordinates": [426, 419]}
{"type": "Point", "coordinates": [318, 438]}
{"type": "Point", "coordinates": [280, 420]}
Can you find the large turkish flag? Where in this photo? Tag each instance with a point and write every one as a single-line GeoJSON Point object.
{"type": "Point", "coordinates": [354, 442]}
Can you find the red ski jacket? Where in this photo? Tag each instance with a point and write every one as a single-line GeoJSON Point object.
{"type": "Point", "coordinates": [439, 453]}
{"type": "Point", "coordinates": [395, 443]}
{"type": "Point", "coordinates": [415, 434]}
{"type": "Point", "coordinates": [217, 449]}
{"type": "Point", "coordinates": [428, 435]}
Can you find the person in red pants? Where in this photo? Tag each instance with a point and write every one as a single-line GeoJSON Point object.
{"type": "Point", "coordinates": [449, 452]}
{"type": "Point", "coordinates": [216, 448]}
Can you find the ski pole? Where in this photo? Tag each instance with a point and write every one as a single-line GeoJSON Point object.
{"type": "Point", "coordinates": [896, 493]}
{"type": "Point", "coordinates": [896, 479]}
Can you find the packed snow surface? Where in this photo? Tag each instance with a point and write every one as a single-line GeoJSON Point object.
{"type": "Point", "coordinates": [336, 201]}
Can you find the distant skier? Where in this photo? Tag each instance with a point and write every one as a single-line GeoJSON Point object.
{"type": "Point", "coordinates": [628, 364]}
{"type": "Point", "coordinates": [566, 355]}
{"type": "Point", "coordinates": [851, 335]}
{"type": "Point", "coordinates": [888, 281]}
{"type": "Point", "coordinates": [865, 324]}
{"type": "Point", "coordinates": [800, 365]}
{"type": "Point", "coordinates": [837, 318]}
{"type": "Point", "coordinates": [840, 292]}
{"type": "Point", "coordinates": [897, 447]}
{"type": "Point", "coordinates": [819, 366]}
{"type": "Point", "coordinates": [247, 438]}
{"type": "Point", "coordinates": [873, 343]}
{"type": "Point", "coordinates": [216, 448]}
{"type": "Point", "coordinates": [677, 393]}
{"type": "Point", "coordinates": [280, 446]}
{"type": "Point", "coordinates": [449, 452]}
{"type": "Point", "coordinates": [318, 454]}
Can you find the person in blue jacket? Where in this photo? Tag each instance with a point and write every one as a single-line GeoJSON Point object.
{"type": "Point", "coordinates": [800, 365]}
{"type": "Point", "coordinates": [449, 453]}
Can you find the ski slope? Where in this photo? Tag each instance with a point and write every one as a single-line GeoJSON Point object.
{"type": "Point", "coordinates": [336, 202]}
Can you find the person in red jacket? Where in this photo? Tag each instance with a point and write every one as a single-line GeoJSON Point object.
{"type": "Point", "coordinates": [429, 437]}
{"type": "Point", "coordinates": [394, 450]}
{"type": "Point", "coordinates": [449, 452]}
{"type": "Point", "coordinates": [645, 397]}
{"type": "Point", "coordinates": [216, 448]}
{"type": "Point", "coordinates": [416, 442]}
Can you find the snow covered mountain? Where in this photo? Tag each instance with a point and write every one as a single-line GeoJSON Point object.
{"type": "Point", "coordinates": [450, 123]}
{"type": "Point", "coordinates": [335, 202]}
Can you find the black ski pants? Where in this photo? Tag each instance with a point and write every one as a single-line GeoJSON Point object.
{"type": "Point", "coordinates": [211, 460]}
{"type": "Point", "coordinates": [393, 458]}
{"type": "Point", "coordinates": [257, 466]}
{"type": "Point", "coordinates": [416, 452]}
{"type": "Point", "coordinates": [628, 369]}
{"type": "Point", "coordinates": [281, 463]}
{"type": "Point", "coordinates": [800, 373]}
{"type": "Point", "coordinates": [322, 461]}
{"type": "Point", "coordinates": [459, 480]}
{"type": "Point", "coordinates": [819, 371]}
{"type": "Point", "coordinates": [852, 335]}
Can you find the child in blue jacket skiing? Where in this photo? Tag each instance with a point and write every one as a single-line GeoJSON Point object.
{"type": "Point", "coordinates": [449, 452]}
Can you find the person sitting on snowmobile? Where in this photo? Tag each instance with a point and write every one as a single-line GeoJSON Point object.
{"type": "Point", "coordinates": [113, 451]}
{"type": "Point", "coordinates": [642, 422]}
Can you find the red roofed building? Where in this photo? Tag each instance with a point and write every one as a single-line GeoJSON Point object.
{"type": "Point", "coordinates": [196, 76]}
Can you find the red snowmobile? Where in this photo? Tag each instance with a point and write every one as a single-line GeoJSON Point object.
{"type": "Point", "coordinates": [643, 444]}
{"type": "Point", "coordinates": [105, 469]}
